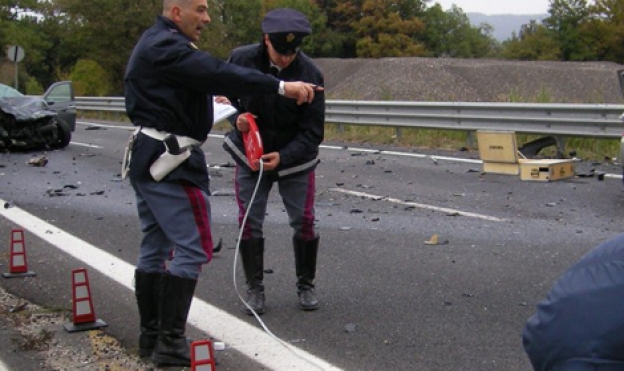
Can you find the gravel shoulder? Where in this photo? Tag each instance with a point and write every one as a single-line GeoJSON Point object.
{"type": "Point", "coordinates": [38, 341]}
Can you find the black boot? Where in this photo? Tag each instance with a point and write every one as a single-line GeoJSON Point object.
{"type": "Point", "coordinates": [305, 267]}
{"type": "Point", "coordinates": [146, 289]}
{"type": "Point", "coordinates": [252, 254]}
{"type": "Point", "coordinates": [172, 347]}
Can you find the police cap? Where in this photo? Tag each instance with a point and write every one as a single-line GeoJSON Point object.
{"type": "Point", "coordinates": [286, 29]}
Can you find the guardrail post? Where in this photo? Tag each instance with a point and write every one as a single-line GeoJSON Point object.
{"type": "Point", "coordinates": [470, 140]}
{"type": "Point", "coordinates": [560, 146]}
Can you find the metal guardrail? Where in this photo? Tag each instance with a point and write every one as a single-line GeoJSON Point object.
{"type": "Point", "coordinates": [573, 120]}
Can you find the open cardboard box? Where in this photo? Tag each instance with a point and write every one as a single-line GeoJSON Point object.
{"type": "Point", "coordinates": [499, 152]}
{"type": "Point", "coordinates": [546, 170]}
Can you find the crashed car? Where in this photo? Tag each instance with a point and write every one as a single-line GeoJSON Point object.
{"type": "Point", "coordinates": [37, 122]}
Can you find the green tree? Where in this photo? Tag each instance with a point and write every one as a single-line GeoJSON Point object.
{"type": "Point", "coordinates": [450, 34]}
{"type": "Point", "coordinates": [535, 42]}
{"type": "Point", "coordinates": [606, 30]}
{"type": "Point", "coordinates": [90, 79]}
{"type": "Point", "coordinates": [109, 29]}
{"type": "Point", "coordinates": [241, 20]}
{"type": "Point", "coordinates": [383, 32]}
{"type": "Point", "coordinates": [566, 20]}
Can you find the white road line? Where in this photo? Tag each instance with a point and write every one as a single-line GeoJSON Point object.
{"type": "Point", "coordinates": [404, 154]}
{"type": "Point", "coordinates": [251, 341]}
{"type": "Point", "coordinates": [417, 205]}
{"type": "Point", "coordinates": [3, 367]}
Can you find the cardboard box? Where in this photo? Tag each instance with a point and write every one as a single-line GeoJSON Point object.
{"type": "Point", "coordinates": [499, 152]}
{"type": "Point", "coordinates": [500, 168]}
{"type": "Point", "coordinates": [546, 170]}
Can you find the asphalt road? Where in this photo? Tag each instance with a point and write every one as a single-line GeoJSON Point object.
{"type": "Point", "coordinates": [389, 301]}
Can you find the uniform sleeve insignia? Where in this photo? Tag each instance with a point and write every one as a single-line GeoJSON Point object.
{"type": "Point", "coordinates": [290, 37]}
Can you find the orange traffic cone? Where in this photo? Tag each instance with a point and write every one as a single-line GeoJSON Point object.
{"type": "Point", "coordinates": [202, 356]}
{"type": "Point", "coordinates": [18, 266]}
{"type": "Point", "coordinates": [83, 313]}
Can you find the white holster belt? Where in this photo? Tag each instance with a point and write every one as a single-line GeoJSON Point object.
{"type": "Point", "coordinates": [168, 161]}
{"type": "Point", "coordinates": [183, 142]}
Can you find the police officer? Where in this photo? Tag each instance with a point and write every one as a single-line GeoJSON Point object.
{"type": "Point", "coordinates": [168, 89]}
{"type": "Point", "coordinates": [291, 135]}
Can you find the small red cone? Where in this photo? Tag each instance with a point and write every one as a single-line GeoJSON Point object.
{"type": "Point", "coordinates": [82, 305]}
{"type": "Point", "coordinates": [202, 356]}
{"type": "Point", "coordinates": [18, 266]}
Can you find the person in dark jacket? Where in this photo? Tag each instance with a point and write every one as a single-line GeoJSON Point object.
{"type": "Point", "coordinates": [169, 87]}
{"type": "Point", "coordinates": [580, 324]}
{"type": "Point", "coordinates": [291, 135]}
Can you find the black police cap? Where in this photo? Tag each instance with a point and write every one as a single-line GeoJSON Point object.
{"type": "Point", "coordinates": [286, 29]}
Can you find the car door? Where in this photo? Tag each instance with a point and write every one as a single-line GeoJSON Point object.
{"type": "Point", "coordinates": [60, 98]}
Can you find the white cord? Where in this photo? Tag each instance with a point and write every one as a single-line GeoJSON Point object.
{"type": "Point", "coordinates": [240, 236]}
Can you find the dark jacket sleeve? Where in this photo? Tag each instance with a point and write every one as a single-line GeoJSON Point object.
{"type": "Point", "coordinates": [311, 129]}
{"type": "Point", "coordinates": [179, 64]}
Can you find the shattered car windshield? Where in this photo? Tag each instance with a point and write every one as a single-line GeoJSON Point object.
{"type": "Point", "coordinates": [9, 92]}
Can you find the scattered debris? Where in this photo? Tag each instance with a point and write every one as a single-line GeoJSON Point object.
{"type": "Point", "coordinates": [95, 128]}
{"type": "Point", "coordinates": [18, 308]}
{"type": "Point", "coordinates": [226, 164]}
{"type": "Point", "coordinates": [350, 327]}
{"type": "Point", "coordinates": [589, 174]}
{"type": "Point", "coordinates": [56, 193]}
{"type": "Point", "coordinates": [356, 211]}
{"type": "Point", "coordinates": [223, 192]}
{"type": "Point", "coordinates": [8, 204]}
{"type": "Point", "coordinates": [435, 240]}
{"type": "Point", "coordinates": [38, 161]}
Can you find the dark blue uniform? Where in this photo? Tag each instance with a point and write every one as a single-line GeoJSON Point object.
{"type": "Point", "coordinates": [169, 87]}
{"type": "Point", "coordinates": [580, 324]}
{"type": "Point", "coordinates": [295, 132]}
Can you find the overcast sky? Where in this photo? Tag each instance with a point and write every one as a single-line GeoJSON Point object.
{"type": "Point", "coordinates": [497, 6]}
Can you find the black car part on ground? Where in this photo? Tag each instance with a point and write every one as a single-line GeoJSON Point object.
{"type": "Point", "coordinates": [30, 124]}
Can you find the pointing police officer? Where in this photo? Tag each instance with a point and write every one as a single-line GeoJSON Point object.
{"type": "Point", "coordinates": [169, 85]}
{"type": "Point", "coordinates": [291, 135]}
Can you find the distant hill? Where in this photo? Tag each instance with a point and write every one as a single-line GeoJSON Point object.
{"type": "Point", "coordinates": [504, 24]}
